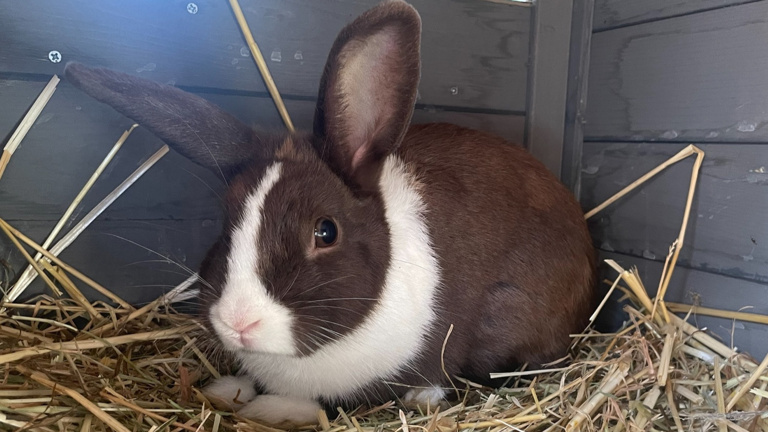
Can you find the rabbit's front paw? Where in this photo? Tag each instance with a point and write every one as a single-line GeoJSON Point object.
{"type": "Point", "coordinates": [231, 392]}
{"type": "Point", "coordinates": [281, 410]}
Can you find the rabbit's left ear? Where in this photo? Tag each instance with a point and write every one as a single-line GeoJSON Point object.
{"type": "Point", "coordinates": [194, 127]}
{"type": "Point", "coordinates": [368, 91]}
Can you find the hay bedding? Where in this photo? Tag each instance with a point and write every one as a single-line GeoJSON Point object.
{"type": "Point", "coordinates": [70, 365]}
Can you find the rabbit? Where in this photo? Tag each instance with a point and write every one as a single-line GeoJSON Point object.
{"type": "Point", "coordinates": [350, 252]}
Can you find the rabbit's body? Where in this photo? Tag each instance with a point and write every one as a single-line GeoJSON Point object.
{"type": "Point", "coordinates": [495, 265]}
{"type": "Point", "coordinates": [347, 254]}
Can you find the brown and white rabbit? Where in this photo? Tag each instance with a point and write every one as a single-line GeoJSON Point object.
{"type": "Point", "coordinates": [348, 252]}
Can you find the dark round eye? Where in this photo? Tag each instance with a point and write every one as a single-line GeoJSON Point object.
{"type": "Point", "coordinates": [326, 233]}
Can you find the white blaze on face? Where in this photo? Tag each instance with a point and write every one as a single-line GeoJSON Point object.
{"type": "Point", "coordinates": [394, 332]}
{"type": "Point", "coordinates": [244, 299]}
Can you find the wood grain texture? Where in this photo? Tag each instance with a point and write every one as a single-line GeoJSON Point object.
{"type": "Point", "coordinates": [138, 260]}
{"type": "Point", "coordinates": [620, 13]}
{"type": "Point", "coordinates": [706, 289]}
{"type": "Point", "coordinates": [74, 133]}
{"type": "Point", "coordinates": [474, 53]}
{"type": "Point", "coordinates": [694, 78]}
{"type": "Point", "coordinates": [728, 230]}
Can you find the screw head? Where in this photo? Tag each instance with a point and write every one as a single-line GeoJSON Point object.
{"type": "Point", "coordinates": [54, 56]}
{"type": "Point", "coordinates": [192, 8]}
{"type": "Point", "coordinates": [454, 91]}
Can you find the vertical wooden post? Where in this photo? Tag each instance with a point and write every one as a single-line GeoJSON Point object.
{"type": "Point", "coordinates": [548, 81]}
{"type": "Point", "coordinates": [576, 99]}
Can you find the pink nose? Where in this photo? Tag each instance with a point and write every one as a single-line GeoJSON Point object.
{"type": "Point", "coordinates": [246, 330]}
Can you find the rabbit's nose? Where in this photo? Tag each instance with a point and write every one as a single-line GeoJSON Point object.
{"type": "Point", "coordinates": [247, 331]}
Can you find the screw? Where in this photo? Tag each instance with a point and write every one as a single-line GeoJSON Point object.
{"type": "Point", "coordinates": [192, 8]}
{"type": "Point", "coordinates": [54, 56]}
{"type": "Point", "coordinates": [454, 91]}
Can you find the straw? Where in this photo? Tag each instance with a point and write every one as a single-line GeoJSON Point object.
{"type": "Point", "coordinates": [700, 310]}
{"type": "Point", "coordinates": [78, 229]}
{"type": "Point", "coordinates": [29, 273]}
{"type": "Point", "coordinates": [8, 232]}
{"type": "Point", "coordinates": [261, 64]}
{"type": "Point", "coordinates": [669, 266]}
{"type": "Point", "coordinates": [90, 406]}
{"type": "Point", "coordinates": [13, 233]}
{"type": "Point", "coordinates": [27, 122]}
{"type": "Point", "coordinates": [744, 388]}
{"type": "Point", "coordinates": [682, 154]}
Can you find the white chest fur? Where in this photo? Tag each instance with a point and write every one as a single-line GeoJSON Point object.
{"type": "Point", "coordinates": [393, 334]}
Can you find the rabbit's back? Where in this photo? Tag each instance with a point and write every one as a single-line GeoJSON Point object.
{"type": "Point", "coordinates": [516, 256]}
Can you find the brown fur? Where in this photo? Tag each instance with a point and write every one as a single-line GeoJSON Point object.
{"type": "Point", "coordinates": [516, 257]}
{"type": "Point", "coordinates": [353, 268]}
{"type": "Point", "coordinates": [516, 254]}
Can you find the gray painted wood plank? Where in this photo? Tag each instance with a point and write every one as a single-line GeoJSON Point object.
{"type": "Point", "coordinates": [74, 133]}
{"type": "Point", "coordinates": [474, 53]}
{"type": "Point", "coordinates": [728, 230]}
{"type": "Point", "coordinates": [694, 78]}
{"type": "Point", "coordinates": [548, 83]}
{"type": "Point", "coordinates": [620, 13]}
{"type": "Point", "coordinates": [705, 289]}
{"type": "Point", "coordinates": [118, 255]}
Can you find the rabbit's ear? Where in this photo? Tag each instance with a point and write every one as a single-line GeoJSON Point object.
{"type": "Point", "coordinates": [189, 124]}
{"type": "Point", "coordinates": [368, 91]}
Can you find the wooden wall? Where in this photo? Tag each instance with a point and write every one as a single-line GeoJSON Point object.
{"type": "Point", "coordinates": [665, 73]}
{"type": "Point", "coordinates": [475, 73]}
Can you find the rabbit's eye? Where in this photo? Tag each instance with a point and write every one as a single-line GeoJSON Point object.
{"type": "Point", "coordinates": [326, 233]}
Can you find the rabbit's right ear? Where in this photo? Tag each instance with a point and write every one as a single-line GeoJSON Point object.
{"type": "Point", "coordinates": [368, 91]}
{"type": "Point", "coordinates": [189, 124]}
